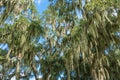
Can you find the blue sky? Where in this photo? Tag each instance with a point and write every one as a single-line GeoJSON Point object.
{"type": "Point", "coordinates": [41, 5]}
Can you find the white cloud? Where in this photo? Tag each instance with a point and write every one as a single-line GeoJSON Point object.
{"type": "Point", "coordinates": [13, 78]}
{"type": "Point", "coordinates": [38, 1]}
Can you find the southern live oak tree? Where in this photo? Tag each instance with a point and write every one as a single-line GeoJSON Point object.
{"type": "Point", "coordinates": [19, 29]}
{"type": "Point", "coordinates": [80, 40]}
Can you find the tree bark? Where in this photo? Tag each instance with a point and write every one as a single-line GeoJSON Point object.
{"type": "Point", "coordinates": [18, 70]}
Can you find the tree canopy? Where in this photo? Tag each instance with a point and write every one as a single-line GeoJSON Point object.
{"type": "Point", "coordinates": [71, 40]}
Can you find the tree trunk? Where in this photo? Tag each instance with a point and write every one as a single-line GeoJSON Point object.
{"type": "Point", "coordinates": [94, 74]}
{"type": "Point", "coordinates": [68, 75]}
{"type": "Point", "coordinates": [17, 70]}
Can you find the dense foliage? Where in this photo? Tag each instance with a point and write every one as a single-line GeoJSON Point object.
{"type": "Point", "coordinates": [72, 40]}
